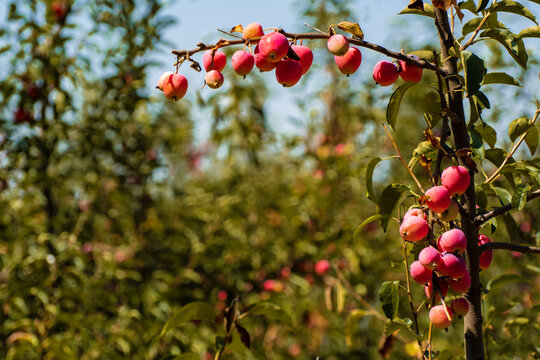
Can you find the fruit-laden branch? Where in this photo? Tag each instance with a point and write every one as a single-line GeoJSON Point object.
{"type": "Point", "coordinates": [480, 219]}
{"type": "Point", "coordinates": [312, 36]}
{"type": "Point", "coordinates": [509, 246]}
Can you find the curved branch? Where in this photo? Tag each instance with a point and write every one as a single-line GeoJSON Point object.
{"type": "Point", "coordinates": [314, 36]}
{"type": "Point", "coordinates": [480, 219]}
{"type": "Point", "coordinates": [509, 246]}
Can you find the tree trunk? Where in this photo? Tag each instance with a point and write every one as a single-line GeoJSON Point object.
{"type": "Point", "coordinates": [474, 345]}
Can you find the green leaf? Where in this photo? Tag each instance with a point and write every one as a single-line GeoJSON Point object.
{"type": "Point", "coordinates": [511, 226]}
{"type": "Point", "coordinates": [188, 356]}
{"type": "Point", "coordinates": [503, 195]}
{"type": "Point", "coordinates": [489, 135]}
{"type": "Point", "coordinates": [490, 23]}
{"type": "Point", "coordinates": [512, 7]}
{"type": "Point", "coordinates": [196, 310]}
{"type": "Point", "coordinates": [424, 54]}
{"type": "Point", "coordinates": [389, 297]}
{"type": "Point", "coordinates": [531, 139]}
{"type": "Point", "coordinates": [497, 156]}
{"type": "Point", "coordinates": [271, 311]}
{"type": "Point", "coordinates": [474, 72]}
{"type": "Point", "coordinates": [513, 44]}
{"type": "Point", "coordinates": [423, 148]}
{"type": "Point", "coordinates": [481, 99]}
{"type": "Point", "coordinates": [519, 198]}
{"type": "Point", "coordinates": [360, 227]}
{"type": "Point", "coordinates": [395, 101]}
{"type": "Point", "coordinates": [481, 5]}
{"type": "Point", "coordinates": [530, 32]}
{"type": "Point", "coordinates": [388, 200]}
{"type": "Point", "coordinates": [428, 11]}
{"type": "Point", "coordinates": [505, 280]}
{"type": "Point", "coordinates": [499, 78]}
{"type": "Point", "coordinates": [468, 5]}
{"type": "Point", "coordinates": [398, 324]}
{"type": "Point", "coordinates": [517, 127]}
{"type": "Point", "coordinates": [369, 178]}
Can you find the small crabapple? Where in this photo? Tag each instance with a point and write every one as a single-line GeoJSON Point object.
{"type": "Point", "coordinates": [350, 61]}
{"type": "Point", "coordinates": [410, 72]}
{"type": "Point", "coordinates": [252, 32]}
{"type": "Point", "coordinates": [414, 211]}
{"type": "Point", "coordinates": [438, 317]}
{"type": "Point", "coordinates": [175, 87]}
{"type": "Point", "coordinates": [261, 63]}
{"type": "Point", "coordinates": [429, 257]}
{"type": "Point", "coordinates": [214, 79]}
{"type": "Point", "coordinates": [452, 266]}
{"type": "Point", "coordinates": [242, 62]}
{"type": "Point", "coordinates": [460, 306]}
{"type": "Point", "coordinates": [419, 273]}
{"type": "Point", "coordinates": [453, 240]}
{"type": "Point", "coordinates": [414, 228]}
{"type": "Point", "coordinates": [460, 285]}
{"type": "Point", "coordinates": [322, 267]}
{"type": "Point", "coordinates": [162, 79]}
{"type": "Point", "coordinates": [438, 199]}
{"type": "Point", "coordinates": [486, 256]}
{"type": "Point", "coordinates": [456, 179]}
{"type": "Point", "coordinates": [288, 72]}
{"type": "Point", "coordinates": [305, 55]}
{"type": "Point", "coordinates": [443, 288]}
{"type": "Point", "coordinates": [337, 44]}
{"type": "Point", "coordinates": [452, 212]}
{"type": "Point", "coordinates": [385, 73]}
{"type": "Point", "coordinates": [216, 61]}
{"type": "Point", "coordinates": [274, 46]}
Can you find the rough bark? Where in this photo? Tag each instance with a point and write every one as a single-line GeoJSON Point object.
{"type": "Point", "coordinates": [474, 345]}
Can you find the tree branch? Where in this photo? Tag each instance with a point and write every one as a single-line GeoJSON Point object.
{"type": "Point", "coordinates": [480, 219]}
{"type": "Point", "coordinates": [509, 246]}
{"type": "Point", "coordinates": [313, 36]}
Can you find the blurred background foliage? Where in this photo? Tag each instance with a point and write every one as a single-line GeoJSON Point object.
{"type": "Point", "coordinates": [113, 216]}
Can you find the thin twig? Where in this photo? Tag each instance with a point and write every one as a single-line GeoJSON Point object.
{"type": "Point", "coordinates": [508, 246]}
{"type": "Point", "coordinates": [480, 219]}
{"type": "Point", "coordinates": [401, 159]}
{"type": "Point", "coordinates": [317, 36]}
{"type": "Point", "coordinates": [409, 296]}
{"type": "Point", "coordinates": [471, 40]}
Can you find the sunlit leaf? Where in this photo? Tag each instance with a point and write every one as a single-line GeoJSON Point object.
{"type": "Point", "coordinates": [361, 227]}
{"type": "Point", "coordinates": [499, 78]}
{"type": "Point", "coordinates": [518, 127]}
{"type": "Point", "coordinates": [529, 32]}
{"type": "Point", "coordinates": [513, 44]}
{"type": "Point", "coordinates": [531, 139]}
{"type": "Point", "coordinates": [512, 7]}
{"type": "Point", "coordinates": [193, 311]}
{"type": "Point", "coordinates": [352, 28]}
{"type": "Point", "coordinates": [395, 101]}
{"type": "Point", "coordinates": [370, 168]}
{"type": "Point", "coordinates": [271, 311]}
{"type": "Point", "coordinates": [519, 198]}
{"type": "Point", "coordinates": [428, 11]}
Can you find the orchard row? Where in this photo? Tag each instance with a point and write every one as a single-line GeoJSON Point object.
{"type": "Point", "coordinates": [274, 52]}
{"type": "Point", "coordinates": [443, 267]}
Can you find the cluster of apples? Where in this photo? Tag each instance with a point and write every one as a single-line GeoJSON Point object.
{"type": "Point", "coordinates": [444, 265]}
{"type": "Point", "coordinates": [274, 52]}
